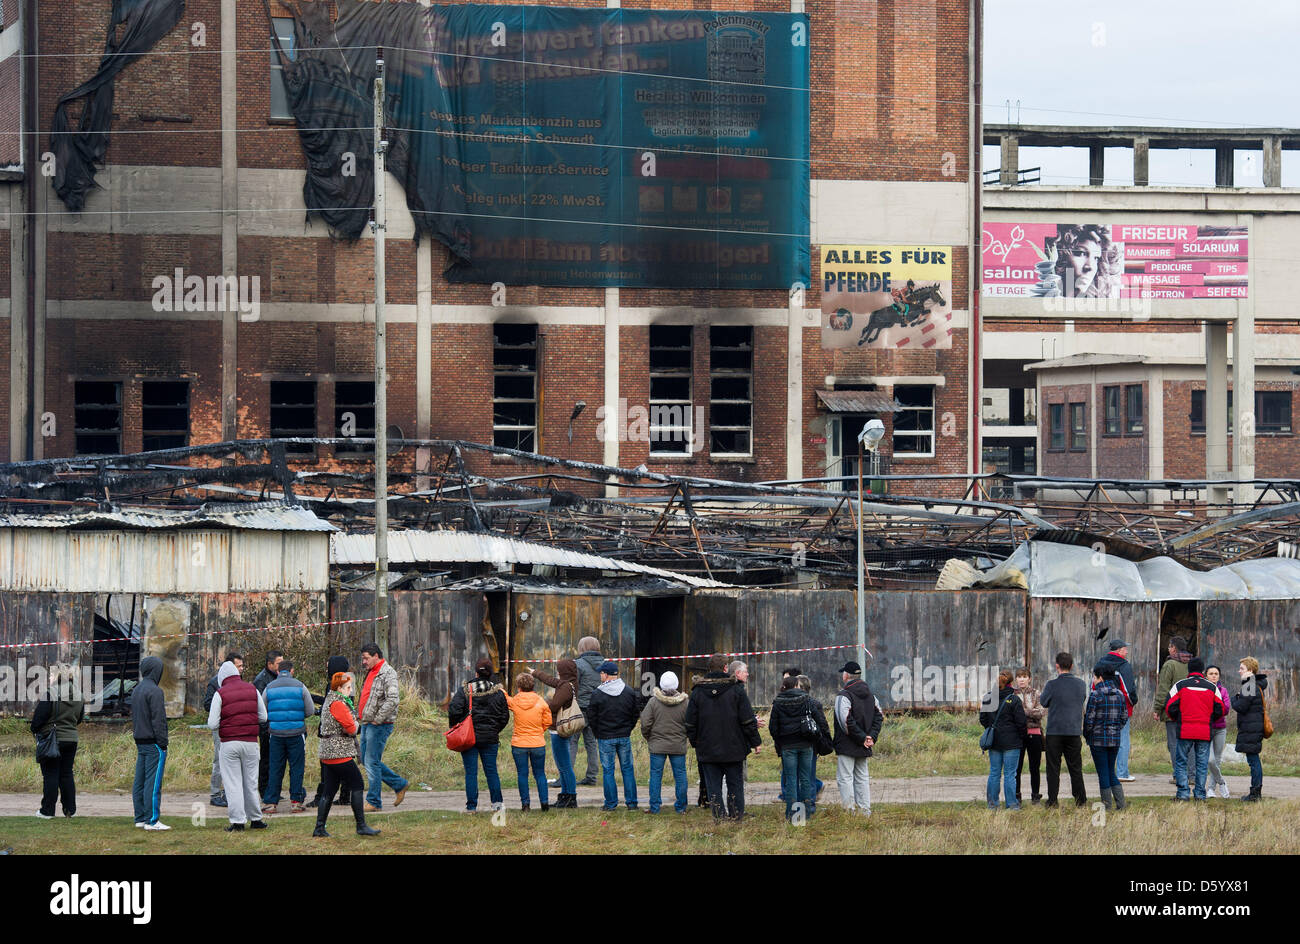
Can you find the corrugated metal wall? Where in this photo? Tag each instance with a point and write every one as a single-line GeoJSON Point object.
{"type": "Point", "coordinates": [438, 633]}
{"type": "Point", "coordinates": [190, 561]}
{"type": "Point", "coordinates": [1268, 630]}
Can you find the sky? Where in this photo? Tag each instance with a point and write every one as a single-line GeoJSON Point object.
{"type": "Point", "coordinates": [1194, 63]}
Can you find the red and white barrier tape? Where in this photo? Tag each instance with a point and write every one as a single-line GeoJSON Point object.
{"type": "Point", "coordinates": [706, 655]}
{"type": "Point", "coordinates": [211, 632]}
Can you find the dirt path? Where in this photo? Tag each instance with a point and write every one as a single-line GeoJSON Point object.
{"type": "Point", "coordinates": [896, 790]}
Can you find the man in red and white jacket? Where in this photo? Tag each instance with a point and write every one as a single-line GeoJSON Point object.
{"type": "Point", "coordinates": [1195, 703]}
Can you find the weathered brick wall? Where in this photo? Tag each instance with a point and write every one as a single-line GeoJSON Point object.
{"type": "Point", "coordinates": [1065, 461]}
{"type": "Point", "coordinates": [1277, 455]}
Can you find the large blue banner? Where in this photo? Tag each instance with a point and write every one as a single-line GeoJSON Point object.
{"type": "Point", "coordinates": [596, 147]}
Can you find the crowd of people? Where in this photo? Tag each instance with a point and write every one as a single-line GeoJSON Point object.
{"type": "Point", "coordinates": [591, 705]}
{"type": "Point", "coordinates": [1190, 698]}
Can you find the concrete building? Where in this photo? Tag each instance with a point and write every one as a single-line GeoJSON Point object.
{"type": "Point", "coordinates": [204, 172]}
{"type": "Point", "coordinates": [1136, 384]}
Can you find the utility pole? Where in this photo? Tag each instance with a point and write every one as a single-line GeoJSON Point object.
{"type": "Point", "coordinates": [377, 226]}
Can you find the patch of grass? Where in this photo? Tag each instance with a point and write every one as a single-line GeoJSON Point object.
{"type": "Point", "coordinates": [1149, 826]}
{"type": "Point", "coordinates": [923, 745]}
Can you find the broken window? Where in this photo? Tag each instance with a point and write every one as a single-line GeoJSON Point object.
{"type": "Point", "coordinates": [914, 423]}
{"type": "Point", "coordinates": [165, 414]}
{"type": "Point", "coordinates": [731, 390]}
{"type": "Point", "coordinates": [670, 390]}
{"type": "Point", "coordinates": [514, 386]}
{"type": "Point", "coordinates": [1133, 410]}
{"type": "Point", "coordinates": [354, 416]}
{"type": "Point", "coordinates": [98, 417]}
{"type": "Point", "coordinates": [283, 26]}
{"type": "Point", "coordinates": [293, 414]}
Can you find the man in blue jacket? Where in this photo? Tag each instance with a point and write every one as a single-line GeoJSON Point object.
{"type": "Point", "coordinates": [149, 726]}
{"type": "Point", "coordinates": [288, 706]}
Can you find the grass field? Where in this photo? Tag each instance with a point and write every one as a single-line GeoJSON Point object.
{"type": "Point", "coordinates": [937, 744]}
{"type": "Point", "coordinates": [1149, 826]}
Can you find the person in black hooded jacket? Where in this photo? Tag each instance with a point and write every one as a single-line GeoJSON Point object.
{"type": "Point", "coordinates": [490, 715]}
{"type": "Point", "coordinates": [149, 726]}
{"type": "Point", "coordinates": [796, 744]}
{"type": "Point", "coordinates": [722, 727]}
{"type": "Point", "coordinates": [1248, 704]}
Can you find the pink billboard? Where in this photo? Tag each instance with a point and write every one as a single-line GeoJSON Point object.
{"type": "Point", "coordinates": [1120, 260]}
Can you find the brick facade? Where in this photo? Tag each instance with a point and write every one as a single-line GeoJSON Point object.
{"type": "Point", "coordinates": [888, 104]}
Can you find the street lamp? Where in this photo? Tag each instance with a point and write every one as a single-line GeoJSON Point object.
{"type": "Point", "coordinates": [873, 431]}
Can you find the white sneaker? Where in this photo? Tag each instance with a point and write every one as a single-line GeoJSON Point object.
{"type": "Point", "coordinates": [156, 827]}
{"type": "Point", "coordinates": [42, 815]}
{"type": "Point", "coordinates": [141, 825]}
{"type": "Point", "coordinates": [1127, 779]}
{"type": "Point", "coordinates": [1223, 790]}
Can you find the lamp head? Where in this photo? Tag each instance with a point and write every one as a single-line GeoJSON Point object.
{"type": "Point", "coordinates": [871, 434]}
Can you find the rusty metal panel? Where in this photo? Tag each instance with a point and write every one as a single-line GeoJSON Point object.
{"type": "Point", "coordinates": [436, 633]}
{"type": "Point", "coordinates": [1063, 625]}
{"type": "Point", "coordinates": [41, 617]}
{"type": "Point", "coordinates": [166, 620]}
{"type": "Point", "coordinates": [1267, 630]}
{"type": "Point", "coordinates": [556, 622]}
{"type": "Point", "coordinates": [198, 561]}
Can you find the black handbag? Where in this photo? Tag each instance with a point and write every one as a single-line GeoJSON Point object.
{"type": "Point", "coordinates": [986, 739]}
{"type": "Point", "coordinates": [47, 745]}
{"type": "Point", "coordinates": [813, 731]}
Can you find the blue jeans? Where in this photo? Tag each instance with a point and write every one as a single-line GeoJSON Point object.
{"type": "Point", "coordinates": [678, 762]}
{"type": "Point", "coordinates": [373, 739]}
{"type": "Point", "coordinates": [1186, 748]}
{"type": "Point", "coordinates": [1256, 770]}
{"type": "Point", "coordinates": [797, 766]}
{"type": "Point", "coordinates": [146, 790]}
{"type": "Point", "coordinates": [1125, 742]}
{"type": "Point", "coordinates": [537, 757]}
{"type": "Point", "coordinates": [563, 754]}
{"type": "Point", "coordinates": [609, 747]}
{"type": "Point", "coordinates": [470, 758]}
{"type": "Point", "coordinates": [1105, 760]}
{"type": "Point", "coordinates": [291, 749]}
{"type": "Point", "coordinates": [1002, 769]}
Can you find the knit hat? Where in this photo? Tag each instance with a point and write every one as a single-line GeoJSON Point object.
{"type": "Point", "coordinates": [668, 682]}
{"type": "Point", "coordinates": [336, 664]}
{"type": "Point", "coordinates": [609, 667]}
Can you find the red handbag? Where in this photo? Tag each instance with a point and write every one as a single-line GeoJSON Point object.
{"type": "Point", "coordinates": [461, 737]}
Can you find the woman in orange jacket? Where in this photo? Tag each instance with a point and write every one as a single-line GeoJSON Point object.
{"type": "Point", "coordinates": [528, 743]}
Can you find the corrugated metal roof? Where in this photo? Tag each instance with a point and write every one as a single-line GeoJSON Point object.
{"type": "Point", "coordinates": [858, 401]}
{"type": "Point", "coordinates": [409, 547]}
{"type": "Point", "coordinates": [243, 517]}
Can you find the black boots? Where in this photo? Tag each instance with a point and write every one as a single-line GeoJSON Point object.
{"type": "Point", "coordinates": [1254, 794]}
{"type": "Point", "coordinates": [359, 813]}
{"type": "Point", "coordinates": [1117, 794]}
{"type": "Point", "coordinates": [322, 814]}
{"type": "Point", "coordinates": [567, 801]}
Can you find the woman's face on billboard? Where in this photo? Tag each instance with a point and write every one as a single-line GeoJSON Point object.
{"type": "Point", "coordinates": [1082, 259]}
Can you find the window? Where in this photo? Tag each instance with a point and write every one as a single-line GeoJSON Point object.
{"type": "Point", "coordinates": [1078, 426]}
{"type": "Point", "coordinates": [165, 414]}
{"type": "Point", "coordinates": [670, 390]}
{"type": "Point", "coordinates": [1272, 412]}
{"type": "Point", "coordinates": [293, 414]}
{"type": "Point", "coordinates": [731, 398]}
{"type": "Point", "coordinates": [1110, 396]}
{"type": "Point", "coordinates": [283, 26]}
{"type": "Point", "coordinates": [97, 417]}
{"type": "Point", "coordinates": [1056, 424]}
{"type": "Point", "coordinates": [914, 423]}
{"type": "Point", "coordinates": [354, 416]}
{"type": "Point", "coordinates": [1133, 410]}
{"type": "Point", "coordinates": [514, 386]}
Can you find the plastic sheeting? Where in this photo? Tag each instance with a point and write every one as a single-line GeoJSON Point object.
{"type": "Point", "coordinates": [1047, 569]}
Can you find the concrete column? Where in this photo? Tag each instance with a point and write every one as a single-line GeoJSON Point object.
{"type": "Point", "coordinates": [1141, 162]}
{"type": "Point", "coordinates": [18, 365]}
{"type": "Point", "coordinates": [1093, 427]}
{"type": "Point", "coordinates": [1216, 405]}
{"type": "Point", "coordinates": [1156, 427]}
{"type": "Point", "coordinates": [229, 217]}
{"type": "Point", "coordinates": [1223, 166]}
{"type": "Point", "coordinates": [40, 223]}
{"type": "Point", "coordinates": [423, 349]}
{"type": "Point", "coordinates": [1096, 165]}
{"type": "Point", "coordinates": [1243, 400]}
{"type": "Point", "coordinates": [1010, 159]}
{"type": "Point", "coordinates": [794, 387]}
{"type": "Point", "coordinates": [613, 416]}
{"type": "Point", "coordinates": [1273, 161]}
